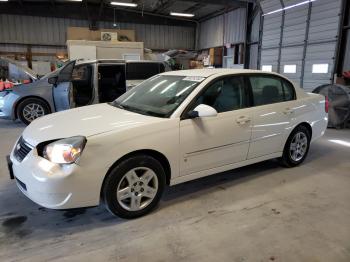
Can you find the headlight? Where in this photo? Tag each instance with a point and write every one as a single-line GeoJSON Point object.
{"type": "Point", "coordinates": [65, 151]}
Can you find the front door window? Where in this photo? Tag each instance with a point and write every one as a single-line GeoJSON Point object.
{"type": "Point", "coordinates": [224, 95]}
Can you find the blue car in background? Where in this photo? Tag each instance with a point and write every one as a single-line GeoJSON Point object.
{"type": "Point", "coordinates": [77, 83]}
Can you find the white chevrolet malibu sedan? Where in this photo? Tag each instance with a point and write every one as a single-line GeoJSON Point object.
{"type": "Point", "coordinates": [174, 127]}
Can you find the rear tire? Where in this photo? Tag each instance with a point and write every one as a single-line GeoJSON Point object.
{"type": "Point", "coordinates": [296, 147]}
{"type": "Point", "coordinates": [30, 109]}
{"type": "Point", "coordinates": [134, 187]}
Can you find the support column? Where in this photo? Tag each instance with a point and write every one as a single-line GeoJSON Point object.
{"type": "Point", "coordinates": [305, 45]}
{"type": "Point", "coordinates": [281, 39]}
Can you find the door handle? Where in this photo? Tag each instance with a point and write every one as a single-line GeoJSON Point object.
{"type": "Point", "coordinates": [288, 111]}
{"type": "Point", "coordinates": [242, 120]}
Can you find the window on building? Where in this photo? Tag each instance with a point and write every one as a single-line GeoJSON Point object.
{"type": "Point", "coordinates": [320, 68]}
{"type": "Point", "coordinates": [290, 69]}
{"type": "Point", "coordinates": [266, 68]}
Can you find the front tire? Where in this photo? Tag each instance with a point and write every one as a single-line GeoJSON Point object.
{"type": "Point", "coordinates": [30, 109]}
{"type": "Point", "coordinates": [134, 187]}
{"type": "Point", "coordinates": [296, 147]}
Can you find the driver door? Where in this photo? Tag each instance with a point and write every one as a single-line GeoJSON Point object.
{"type": "Point", "coordinates": [63, 89]}
{"type": "Point", "coordinates": [211, 142]}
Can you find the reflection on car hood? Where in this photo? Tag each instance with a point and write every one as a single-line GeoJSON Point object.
{"type": "Point", "coordinates": [85, 121]}
{"type": "Point", "coordinates": [26, 88]}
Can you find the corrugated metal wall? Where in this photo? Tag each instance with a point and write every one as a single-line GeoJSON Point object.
{"type": "Point", "coordinates": [52, 31]}
{"type": "Point", "coordinates": [253, 42]}
{"type": "Point", "coordinates": [346, 62]}
{"type": "Point", "coordinates": [211, 33]}
{"type": "Point", "coordinates": [160, 36]}
{"type": "Point", "coordinates": [227, 28]}
{"type": "Point", "coordinates": [35, 29]}
{"type": "Point", "coordinates": [322, 41]}
{"type": "Point", "coordinates": [271, 34]}
{"type": "Point", "coordinates": [253, 56]}
{"type": "Point", "coordinates": [303, 36]}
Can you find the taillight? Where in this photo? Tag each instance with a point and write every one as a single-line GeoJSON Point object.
{"type": "Point", "coordinates": [326, 104]}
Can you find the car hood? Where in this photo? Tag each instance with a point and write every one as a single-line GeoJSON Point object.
{"type": "Point", "coordinates": [85, 121]}
{"type": "Point", "coordinates": [26, 88]}
{"type": "Point", "coordinates": [26, 70]}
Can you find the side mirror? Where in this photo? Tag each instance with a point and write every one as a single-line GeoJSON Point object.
{"type": "Point", "coordinates": [202, 111]}
{"type": "Point", "coordinates": [53, 80]}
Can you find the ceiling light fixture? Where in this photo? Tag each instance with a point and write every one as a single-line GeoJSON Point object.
{"type": "Point", "coordinates": [4, 0]}
{"type": "Point", "coordinates": [181, 14]}
{"type": "Point", "coordinates": [124, 4]}
{"type": "Point", "coordinates": [289, 7]}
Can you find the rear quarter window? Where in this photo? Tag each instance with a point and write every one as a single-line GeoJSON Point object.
{"type": "Point", "coordinates": [289, 91]}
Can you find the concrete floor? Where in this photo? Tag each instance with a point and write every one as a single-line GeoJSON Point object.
{"type": "Point", "coordinates": [263, 212]}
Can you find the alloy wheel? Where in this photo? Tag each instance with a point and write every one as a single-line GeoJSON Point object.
{"type": "Point", "coordinates": [137, 188]}
{"type": "Point", "coordinates": [32, 111]}
{"type": "Point", "coordinates": [298, 146]}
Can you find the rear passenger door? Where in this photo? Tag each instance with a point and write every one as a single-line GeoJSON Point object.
{"type": "Point", "coordinates": [273, 100]}
{"type": "Point", "coordinates": [136, 72]}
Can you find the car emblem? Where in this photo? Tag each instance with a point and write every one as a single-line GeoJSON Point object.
{"type": "Point", "coordinates": [18, 147]}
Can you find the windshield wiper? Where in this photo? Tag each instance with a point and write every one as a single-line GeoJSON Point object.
{"type": "Point", "coordinates": [124, 107]}
{"type": "Point", "coordinates": [116, 105]}
{"type": "Point", "coordinates": [136, 110]}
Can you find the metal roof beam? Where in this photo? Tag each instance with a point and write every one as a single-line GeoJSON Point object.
{"type": "Point", "coordinates": [222, 2]}
{"type": "Point", "coordinates": [195, 7]}
{"type": "Point", "coordinates": [164, 4]}
{"type": "Point", "coordinates": [78, 11]}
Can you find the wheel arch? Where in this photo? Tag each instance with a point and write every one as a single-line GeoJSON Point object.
{"type": "Point", "coordinates": [150, 152]}
{"type": "Point", "coordinates": [307, 126]}
{"type": "Point", "coordinates": [284, 159]}
{"type": "Point", "coordinates": [28, 97]}
{"type": "Point", "coordinates": [304, 124]}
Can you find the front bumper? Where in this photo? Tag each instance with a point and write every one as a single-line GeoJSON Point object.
{"type": "Point", "coordinates": [4, 116]}
{"type": "Point", "coordinates": [51, 185]}
{"type": "Point", "coordinates": [9, 167]}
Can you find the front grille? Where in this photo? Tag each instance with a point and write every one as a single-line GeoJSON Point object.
{"type": "Point", "coordinates": [22, 149]}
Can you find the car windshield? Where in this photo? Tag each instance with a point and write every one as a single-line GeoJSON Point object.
{"type": "Point", "coordinates": [158, 96]}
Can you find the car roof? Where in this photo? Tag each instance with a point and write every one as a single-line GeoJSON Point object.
{"type": "Point", "coordinates": [87, 61]}
{"type": "Point", "coordinates": [214, 71]}
{"type": "Point", "coordinates": [144, 61]}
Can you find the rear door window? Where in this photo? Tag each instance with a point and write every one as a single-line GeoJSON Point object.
{"type": "Point", "coordinates": [270, 90]}
{"type": "Point", "coordinates": [139, 70]}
